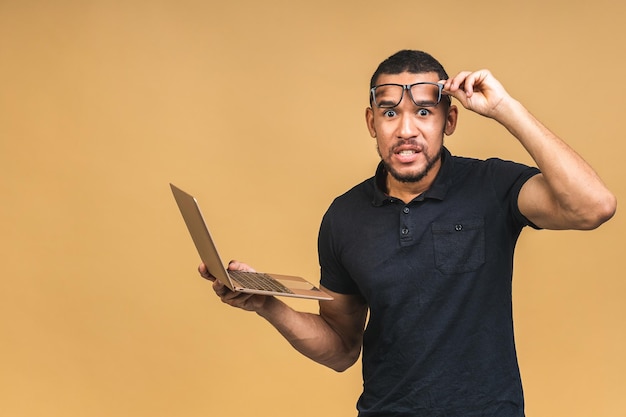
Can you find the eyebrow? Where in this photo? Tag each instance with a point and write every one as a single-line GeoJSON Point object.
{"type": "Point", "coordinates": [385, 103]}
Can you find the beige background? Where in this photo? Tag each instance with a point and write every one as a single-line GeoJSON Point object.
{"type": "Point", "coordinates": [257, 107]}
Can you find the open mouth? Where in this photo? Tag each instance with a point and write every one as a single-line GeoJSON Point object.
{"type": "Point", "coordinates": [406, 156]}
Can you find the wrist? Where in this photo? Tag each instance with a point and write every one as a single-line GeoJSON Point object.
{"type": "Point", "coordinates": [507, 109]}
{"type": "Point", "coordinates": [269, 307]}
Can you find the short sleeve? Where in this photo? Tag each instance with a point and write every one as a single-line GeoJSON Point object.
{"type": "Point", "coordinates": [508, 179]}
{"type": "Point", "coordinates": [333, 275]}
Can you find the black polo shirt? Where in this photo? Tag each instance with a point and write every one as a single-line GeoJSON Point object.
{"type": "Point", "coordinates": [436, 274]}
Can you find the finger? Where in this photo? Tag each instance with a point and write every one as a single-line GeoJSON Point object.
{"type": "Point", "coordinates": [474, 81]}
{"type": "Point", "coordinates": [456, 86]}
{"type": "Point", "coordinates": [455, 83]}
{"type": "Point", "coordinates": [220, 289]}
{"type": "Point", "coordinates": [204, 272]}
{"type": "Point", "coordinates": [232, 298]}
{"type": "Point", "coordinates": [235, 298]}
{"type": "Point", "coordinates": [235, 265]}
{"type": "Point", "coordinates": [471, 81]}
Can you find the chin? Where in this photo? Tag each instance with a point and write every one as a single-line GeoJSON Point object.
{"type": "Point", "coordinates": [406, 175]}
{"type": "Point", "coordinates": [409, 177]}
{"type": "Point", "coordinates": [415, 174]}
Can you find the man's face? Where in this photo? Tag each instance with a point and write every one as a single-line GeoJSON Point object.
{"type": "Point", "coordinates": [409, 136]}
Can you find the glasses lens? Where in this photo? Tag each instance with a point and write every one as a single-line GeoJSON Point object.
{"type": "Point", "coordinates": [388, 95]}
{"type": "Point", "coordinates": [426, 95]}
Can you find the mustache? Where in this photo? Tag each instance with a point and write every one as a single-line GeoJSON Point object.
{"type": "Point", "coordinates": [403, 143]}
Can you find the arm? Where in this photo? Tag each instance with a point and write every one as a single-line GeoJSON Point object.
{"type": "Point", "coordinates": [332, 338]}
{"type": "Point", "coordinates": [568, 194]}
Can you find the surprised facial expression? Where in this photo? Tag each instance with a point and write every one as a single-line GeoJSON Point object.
{"type": "Point", "coordinates": [409, 136]}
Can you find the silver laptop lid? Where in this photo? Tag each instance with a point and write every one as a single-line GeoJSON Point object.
{"type": "Point", "coordinates": [200, 234]}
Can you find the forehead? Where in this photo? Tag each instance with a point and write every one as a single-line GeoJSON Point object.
{"type": "Point", "coordinates": [407, 78]}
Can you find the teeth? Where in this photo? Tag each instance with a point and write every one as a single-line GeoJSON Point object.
{"type": "Point", "coordinates": [407, 152]}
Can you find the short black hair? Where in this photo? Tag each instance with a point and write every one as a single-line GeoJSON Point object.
{"type": "Point", "coordinates": [415, 62]}
{"type": "Point", "coordinates": [412, 61]}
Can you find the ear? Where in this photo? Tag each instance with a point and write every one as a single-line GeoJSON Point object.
{"type": "Point", "coordinates": [369, 120]}
{"type": "Point", "coordinates": [451, 119]}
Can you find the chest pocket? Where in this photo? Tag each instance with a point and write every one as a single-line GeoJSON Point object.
{"type": "Point", "coordinates": [459, 245]}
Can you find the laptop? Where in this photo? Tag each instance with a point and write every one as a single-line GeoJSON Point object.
{"type": "Point", "coordinates": [247, 282]}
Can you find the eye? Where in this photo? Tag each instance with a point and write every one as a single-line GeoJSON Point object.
{"type": "Point", "coordinates": [423, 112]}
{"type": "Point", "coordinates": [389, 113]}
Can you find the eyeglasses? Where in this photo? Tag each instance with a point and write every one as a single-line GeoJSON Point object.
{"type": "Point", "coordinates": [424, 94]}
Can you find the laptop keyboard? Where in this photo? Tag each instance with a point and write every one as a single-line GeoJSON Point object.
{"type": "Point", "coordinates": [258, 281]}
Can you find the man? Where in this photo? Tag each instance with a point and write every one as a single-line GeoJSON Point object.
{"type": "Point", "coordinates": [426, 247]}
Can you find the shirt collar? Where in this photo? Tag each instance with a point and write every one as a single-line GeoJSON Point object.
{"type": "Point", "coordinates": [437, 190]}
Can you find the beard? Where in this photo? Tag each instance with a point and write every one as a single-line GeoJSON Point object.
{"type": "Point", "coordinates": [413, 176]}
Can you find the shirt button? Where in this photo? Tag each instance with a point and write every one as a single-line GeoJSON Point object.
{"type": "Point", "coordinates": [405, 231]}
{"type": "Point", "coordinates": [406, 210]}
{"type": "Point", "coordinates": [458, 227]}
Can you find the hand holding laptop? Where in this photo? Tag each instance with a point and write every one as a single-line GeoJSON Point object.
{"type": "Point", "coordinates": [240, 277]}
{"type": "Point", "coordinates": [232, 266]}
{"type": "Point", "coordinates": [245, 301]}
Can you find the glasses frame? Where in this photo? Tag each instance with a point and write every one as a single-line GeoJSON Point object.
{"type": "Point", "coordinates": [405, 87]}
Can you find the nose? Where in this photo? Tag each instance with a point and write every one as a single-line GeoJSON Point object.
{"type": "Point", "coordinates": [407, 128]}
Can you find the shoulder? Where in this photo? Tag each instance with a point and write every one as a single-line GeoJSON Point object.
{"type": "Point", "coordinates": [500, 172]}
{"type": "Point", "coordinates": [362, 193]}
